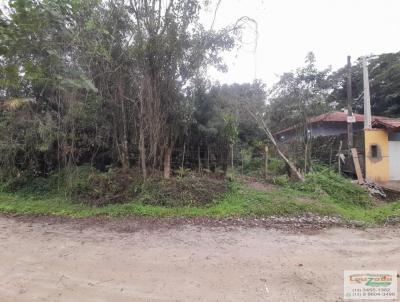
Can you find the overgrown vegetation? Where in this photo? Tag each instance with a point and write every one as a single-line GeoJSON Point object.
{"type": "Point", "coordinates": [101, 102]}
{"type": "Point", "coordinates": [116, 83]}
{"type": "Point", "coordinates": [188, 191]}
{"type": "Point", "coordinates": [335, 186]}
{"type": "Point", "coordinates": [324, 193]}
{"type": "Point", "coordinates": [90, 187]}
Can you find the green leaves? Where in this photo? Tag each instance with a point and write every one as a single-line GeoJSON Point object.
{"type": "Point", "coordinates": [103, 70]}
{"type": "Point", "coordinates": [78, 83]}
{"type": "Point", "coordinates": [230, 129]}
{"type": "Point", "coordinates": [298, 95]}
{"type": "Point", "coordinates": [384, 73]}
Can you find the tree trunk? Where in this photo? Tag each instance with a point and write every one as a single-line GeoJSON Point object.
{"type": "Point", "coordinates": [124, 145]}
{"type": "Point", "coordinates": [305, 157]}
{"type": "Point", "coordinates": [124, 156]}
{"type": "Point", "coordinates": [125, 153]}
{"type": "Point", "coordinates": [142, 150]}
{"type": "Point", "coordinates": [198, 157]}
{"type": "Point", "coordinates": [183, 156]}
{"type": "Point", "coordinates": [266, 162]}
{"type": "Point", "coordinates": [208, 158]}
{"type": "Point", "coordinates": [232, 166]}
{"type": "Point", "coordinates": [241, 159]}
{"type": "Point", "coordinates": [225, 161]}
{"type": "Point", "coordinates": [167, 162]}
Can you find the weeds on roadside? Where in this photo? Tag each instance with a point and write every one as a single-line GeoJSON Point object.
{"type": "Point", "coordinates": [335, 186]}
{"type": "Point", "coordinates": [324, 193]}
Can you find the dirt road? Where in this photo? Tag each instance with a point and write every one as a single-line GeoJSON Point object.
{"type": "Point", "coordinates": [42, 261]}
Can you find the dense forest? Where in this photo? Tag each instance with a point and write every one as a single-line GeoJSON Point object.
{"type": "Point", "coordinates": [124, 84]}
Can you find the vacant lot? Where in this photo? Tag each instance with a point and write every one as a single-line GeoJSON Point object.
{"type": "Point", "coordinates": [324, 193]}
{"type": "Point", "coordinates": [46, 260]}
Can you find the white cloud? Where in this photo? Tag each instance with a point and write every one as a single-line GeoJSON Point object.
{"type": "Point", "coordinates": [289, 29]}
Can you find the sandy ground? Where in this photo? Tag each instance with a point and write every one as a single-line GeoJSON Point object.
{"type": "Point", "coordinates": [43, 261]}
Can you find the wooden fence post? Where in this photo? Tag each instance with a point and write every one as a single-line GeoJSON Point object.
{"type": "Point", "coordinates": [199, 158]}
{"type": "Point", "coordinates": [232, 156]}
{"type": "Point", "coordinates": [356, 162]}
{"type": "Point", "coordinates": [266, 162]}
{"type": "Point", "coordinates": [339, 157]}
{"type": "Point", "coordinates": [183, 155]}
{"type": "Point", "coordinates": [241, 158]}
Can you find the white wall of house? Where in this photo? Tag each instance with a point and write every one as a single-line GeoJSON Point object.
{"type": "Point", "coordinates": [394, 156]}
{"type": "Point", "coordinates": [394, 160]}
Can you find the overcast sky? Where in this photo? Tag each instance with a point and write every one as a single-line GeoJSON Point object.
{"type": "Point", "coordinates": [289, 29]}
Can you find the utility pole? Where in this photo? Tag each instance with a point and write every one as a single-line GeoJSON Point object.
{"type": "Point", "coordinates": [367, 99]}
{"type": "Point", "coordinates": [349, 106]}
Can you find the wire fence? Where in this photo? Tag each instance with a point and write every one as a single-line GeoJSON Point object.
{"type": "Point", "coordinates": [332, 151]}
{"type": "Point", "coordinates": [214, 157]}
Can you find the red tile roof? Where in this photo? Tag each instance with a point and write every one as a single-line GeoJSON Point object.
{"type": "Point", "coordinates": [337, 116]}
{"type": "Point", "coordinates": [340, 116]}
{"type": "Point", "coordinates": [386, 122]}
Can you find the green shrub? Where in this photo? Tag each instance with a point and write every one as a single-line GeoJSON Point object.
{"type": "Point", "coordinates": [335, 186]}
{"type": "Point", "coordinates": [113, 186]}
{"type": "Point", "coordinates": [281, 180]}
{"type": "Point", "coordinates": [91, 187]}
{"type": "Point", "coordinates": [63, 181]}
{"type": "Point", "coordinates": [182, 172]}
{"type": "Point", "coordinates": [188, 191]}
{"type": "Point", "coordinates": [252, 165]}
{"type": "Point", "coordinates": [276, 166]}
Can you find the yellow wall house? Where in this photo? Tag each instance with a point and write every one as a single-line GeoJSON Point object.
{"type": "Point", "coordinates": [382, 151]}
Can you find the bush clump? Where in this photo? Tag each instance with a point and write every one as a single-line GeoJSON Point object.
{"type": "Point", "coordinates": [281, 180]}
{"type": "Point", "coordinates": [335, 186]}
{"type": "Point", "coordinates": [116, 186]}
{"type": "Point", "coordinates": [91, 187]}
{"type": "Point", "coordinates": [63, 181]}
{"type": "Point", "coordinates": [276, 166]}
{"type": "Point", "coordinates": [113, 186]}
{"type": "Point", "coordinates": [187, 191]}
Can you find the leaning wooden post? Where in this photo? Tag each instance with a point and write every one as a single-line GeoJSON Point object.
{"type": "Point", "coordinates": [357, 166]}
{"type": "Point", "coordinates": [266, 162]}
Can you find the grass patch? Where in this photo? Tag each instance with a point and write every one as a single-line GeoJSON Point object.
{"type": "Point", "coordinates": [85, 185]}
{"type": "Point", "coordinates": [240, 201]}
{"type": "Point", "coordinates": [335, 186]}
{"type": "Point", "coordinates": [324, 193]}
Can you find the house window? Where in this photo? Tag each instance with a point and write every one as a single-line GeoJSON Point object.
{"type": "Point", "coordinates": [374, 151]}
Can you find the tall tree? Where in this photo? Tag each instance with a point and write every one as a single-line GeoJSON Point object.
{"type": "Point", "coordinates": [220, 118]}
{"type": "Point", "coordinates": [113, 76]}
{"type": "Point", "coordinates": [384, 73]}
{"type": "Point", "coordinates": [296, 97]}
{"type": "Point", "coordinates": [172, 47]}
